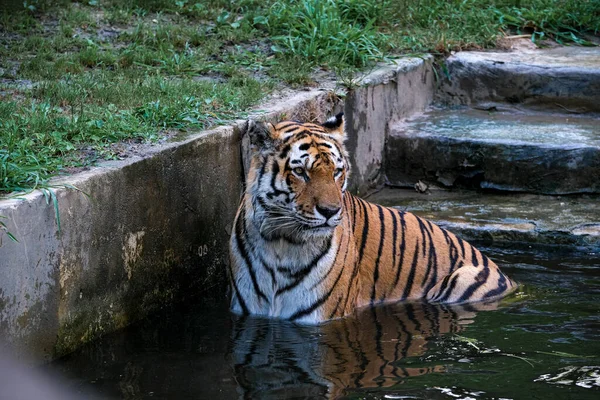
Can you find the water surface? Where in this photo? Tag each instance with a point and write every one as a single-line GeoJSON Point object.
{"type": "Point", "coordinates": [541, 343]}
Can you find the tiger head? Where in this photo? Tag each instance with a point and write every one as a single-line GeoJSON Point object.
{"type": "Point", "coordinates": [297, 179]}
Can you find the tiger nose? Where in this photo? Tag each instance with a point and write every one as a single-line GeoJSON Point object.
{"type": "Point", "coordinates": [328, 212]}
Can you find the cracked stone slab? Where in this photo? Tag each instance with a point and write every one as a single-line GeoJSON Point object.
{"type": "Point", "coordinates": [548, 220]}
{"type": "Point", "coordinates": [510, 148]}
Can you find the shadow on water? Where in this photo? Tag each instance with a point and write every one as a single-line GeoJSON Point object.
{"type": "Point", "coordinates": [542, 342]}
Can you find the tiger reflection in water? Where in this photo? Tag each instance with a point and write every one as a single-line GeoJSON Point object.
{"type": "Point", "coordinates": [277, 359]}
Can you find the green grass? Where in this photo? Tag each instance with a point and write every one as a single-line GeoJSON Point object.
{"type": "Point", "coordinates": [80, 77]}
{"type": "Point", "coordinates": [89, 112]}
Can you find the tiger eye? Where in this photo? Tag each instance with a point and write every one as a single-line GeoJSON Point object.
{"type": "Point", "coordinates": [298, 170]}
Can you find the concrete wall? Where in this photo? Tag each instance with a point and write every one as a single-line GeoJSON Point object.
{"type": "Point", "coordinates": [384, 96]}
{"type": "Point", "coordinates": [154, 229]}
{"type": "Point", "coordinates": [151, 230]}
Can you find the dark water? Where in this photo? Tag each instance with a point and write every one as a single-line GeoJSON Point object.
{"type": "Point", "coordinates": [541, 343]}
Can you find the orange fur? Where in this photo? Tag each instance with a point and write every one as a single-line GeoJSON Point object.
{"type": "Point", "coordinates": [362, 254]}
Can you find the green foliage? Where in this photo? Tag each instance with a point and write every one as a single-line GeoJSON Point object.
{"type": "Point", "coordinates": [4, 228]}
{"type": "Point", "coordinates": [544, 19]}
{"type": "Point", "coordinates": [445, 25]}
{"type": "Point", "coordinates": [79, 77]}
{"type": "Point", "coordinates": [322, 33]}
{"type": "Point", "coordinates": [91, 112]}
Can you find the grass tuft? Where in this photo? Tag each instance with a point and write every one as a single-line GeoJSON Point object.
{"type": "Point", "coordinates": [322, 33]}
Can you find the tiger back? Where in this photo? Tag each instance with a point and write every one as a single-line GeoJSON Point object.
{"type": "Point", "coordinates": [303, 248]}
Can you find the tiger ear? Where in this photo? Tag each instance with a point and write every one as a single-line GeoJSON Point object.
{"type": "Point", "coordinates": [336, 125]}
{"type": "Point", "coordinates": [262, 134]}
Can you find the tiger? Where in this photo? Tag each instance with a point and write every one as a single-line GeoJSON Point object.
{"type": "Point", "coordinates": [304, 248]}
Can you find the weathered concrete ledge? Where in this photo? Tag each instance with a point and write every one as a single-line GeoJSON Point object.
{"type": "Point", "coordinates": [393, 92]}
{"type": "Point", "coordinates": [572, 221]}
{"type": "Point", "coordinates": [563, 77]}
{"type": "Point", "coordinates": [508, 149]}
{"type": "Point", "coordinates": [154, 229]}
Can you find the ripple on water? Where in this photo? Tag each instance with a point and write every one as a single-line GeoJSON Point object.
{"type": "Point", "coordinates": [586, 377]}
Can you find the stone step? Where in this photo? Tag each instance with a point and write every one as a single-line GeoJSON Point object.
{"type": "Point", "coordinates": [496, 146]}
{"type": "Point", "coordinates": [501, 218]}
{"type": "Point", "coordinates": [558, 77]}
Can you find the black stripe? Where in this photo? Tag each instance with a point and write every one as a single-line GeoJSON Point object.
{"type": "Point", "coordinates": [442, 287]}
{"type": "Point", "coordinates": [324, 277]}
{"type": "Point", "coordinates": [500, 289]}
{"type": "Point", "coordinates": [435, 321]}
{"type": "Point", "coordinates": [244, 253]}
{"type": "Point", "coordinates": [274, 172]}
{"type": "Point", "coordinates": [269, 270]}
{"type": "Point", "coordinates": [354, 211]}
{"type": "Point", "coordinates": [355, 203]}
{"type": "Point", "coordinates": [362, 367]}
{"type": "Point", "coordinates": [424, 237]}
{"type": "Point", "coordinates": [410, 313]}
{"type": "Point", "coordinates": [306, 311]}
{"type": "Point", "coordinates": [313, 127]}
{"type": "Point", "coordinates": [339, 358]}
{"type": "Point", "coordinates": [379, 251]}
{"type": "Point", "coordinates": [338, 148]}
{"type": "Point", "coordinates": [364, 239]}
{"type": "Point", "coordinates": [407, 343]}
{"type": "Point", "coordinates": [411, 275]}
{"type": "Point", "coordinates": [432, 256]}
{"type": "Point", "coordinates": [427, 308]}
{"type": "Point", "coordinates": [462, 246]}
{"type": "Point", "coordinates": [261, 202]}
{"type": "Point", "coordinates": [263, 166]}
{"type": "Point", "coordinates": [336, 307]}
{"type": "Point", "coordinates": [285, 124]}
{"type": "Point", "coordinates": [379, 346]}
{"type": "Point", "coordinates": [285, 151]}
{"type": "Point", "coordinates": [480, 279]}
{"type": "Point", "coordinates": [453, 250]}
{"type": "Point", "coordinates": [289, 139]}
{"type": "Point", "coordinates": [293, 130]}
{"type": "Point", "coordinates": [434, 266]}
{"type": "Point", "coordinates": [304, 271]}
{"type": "Point", "coordinates": [342, 268]}
{"type": "Point", "coordinates": [394, 246]}
{"type": "Point", "coordinates": [449, 290]}
{"type": "Point", "coordinates": [237, 292]}
{"type": "Point", "coordinates": [365, 232]}
{"type": "Point", "coordinates": [402, 248]}
{"type": "Point", "coordinates": [430, 226]}
{"type": "Point", "coordinates": [474, 259]}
